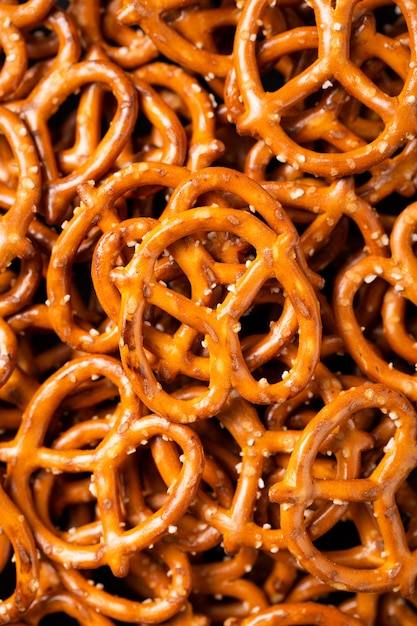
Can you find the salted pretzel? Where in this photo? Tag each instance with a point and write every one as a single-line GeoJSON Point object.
{"type": "Point", "coordinates": [46, 98]}
{"type": "Point", "coordinates": [398, 272]}
{"type": "Point", "coordinates": [164, 569]}
{"type": "Point", "coordinates": [219, 328]}
{"type": "Point", "coordinates": [393, 568]}
{"type": "Point", "coordinates": [204, 147]}
{"type": "Point", "coordinates": [195, 55]}
{"type": "Point", "coordinates": [331, 37]}
{"type": "Point", "coordinates": [116, 543]}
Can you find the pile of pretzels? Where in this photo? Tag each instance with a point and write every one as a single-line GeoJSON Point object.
{"type": "Point", "coordinates": [208, 322]}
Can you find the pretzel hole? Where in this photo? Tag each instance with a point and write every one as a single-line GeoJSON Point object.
{"type": "Point", "coordinates": [342, 536]}
{"type": "Point", "coordinates": [273, 79]}
{"type": "Point", "coordinates": [42, 353]}
{"type": "Point", "coordinates": [390, 19]}
{"type": "Point", "coordinates": [7, 568]}
{"type": "Point", "coordinates": [58, 617]}
{"type": "Point", "coordinates": [42, 43]}
{"type": "Point", "coordinates": [223, 37]}
{"type": "Point", "coordinates": [67, 500]}
{"type": "Point", "coordinates": [84, 302]}
{"type": "Point", "coordinates": [62, 124]}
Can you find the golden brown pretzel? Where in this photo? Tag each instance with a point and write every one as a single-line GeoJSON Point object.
{"type": "Point", "coordinates": [333, 34]}
{"type": "Point", "coordinates": [398, 272]}
{"type": "Point", "coordinates": [19, 534]}
{"type": "Point", "coordinates": [116, 544]}
{"type": "Point", "coordinates": [220, 327]}
{"type": "Point", "coordinates": [204, 147]}
{"type": "Point", "coordinates": [171, 42]}
{"type": "Point", "coordinates": [45, 100]}
{"type": "Point", "coordinates": [165, 570]}
{"type": "Point", "coordinates": [127, 47]}
{"type": "Point", "coordinates": [391, 565]}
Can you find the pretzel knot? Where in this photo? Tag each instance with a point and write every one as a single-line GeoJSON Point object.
{"type": "Point", "coordinates": [391, 564]}
{"type": "Point", "coordinates": [111, 538]}
{"type": "Point", "coordinates": [220, 295]}
{"type": "Point", "coordinates": [291, 123]}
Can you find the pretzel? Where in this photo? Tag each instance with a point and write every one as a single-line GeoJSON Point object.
{"type": "Point", "coordinates": [212, 327]}
{"type": "Point", "coordinates": [150, 16]}
{"type": "Point", "coordinates": [15, 223]}
{"type": "Point", "coordinates": [389, 571]}
{"type": "Point", "coordinates": [46, 98]}
{"type": "Point", "coordinates": [116, 543]}
{"type": "Point", "coordinates": [331, 36]}
{"type": "Point", "coordinates": [204, 147]}
{"type": "Point", "coordinates": [398, 272]}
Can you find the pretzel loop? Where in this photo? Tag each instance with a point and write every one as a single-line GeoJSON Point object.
{"type": "Point", "coordinates": [396, 566]}
{"type": "Point", "coordinates": [46, 99]}
{"type": "Point", "coordinates": [219, 328]}
{"type": "Point", "coordinates": [333, 49]}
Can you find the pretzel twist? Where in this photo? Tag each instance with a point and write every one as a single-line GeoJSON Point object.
{"type": "Point", "coordinates": [397, 271]}
{"type": "Point", "coordinates": [220, 327]}
{"type": "Point", "coordinates": [393, 568]}
{"type": "Point", "coordinates": [116, 544]}
{"type": "Point", "coordinates": [331, 36]}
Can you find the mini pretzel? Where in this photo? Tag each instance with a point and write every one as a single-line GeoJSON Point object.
{"type": "Point", "coordinates": [171, 590]}
{"type": "Point", "coordinates": [48, 96]}
{"type": "Point", "coordinates": [394, 569]}
{"type": "Point", "coordinates": [398, 272]}
{"type": "Point", "coordinates": [116, 543]}
{"type": "Point", "coordinates": [150, 16]}
{"type": "Point", "coordinates": [218, 327]}
{"type": "Point", "coordinates": [204, 147]}
{"type": "Point", "coordinates": [100, 26]}
{"type": "Point", "coordinates": [333, 33]}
